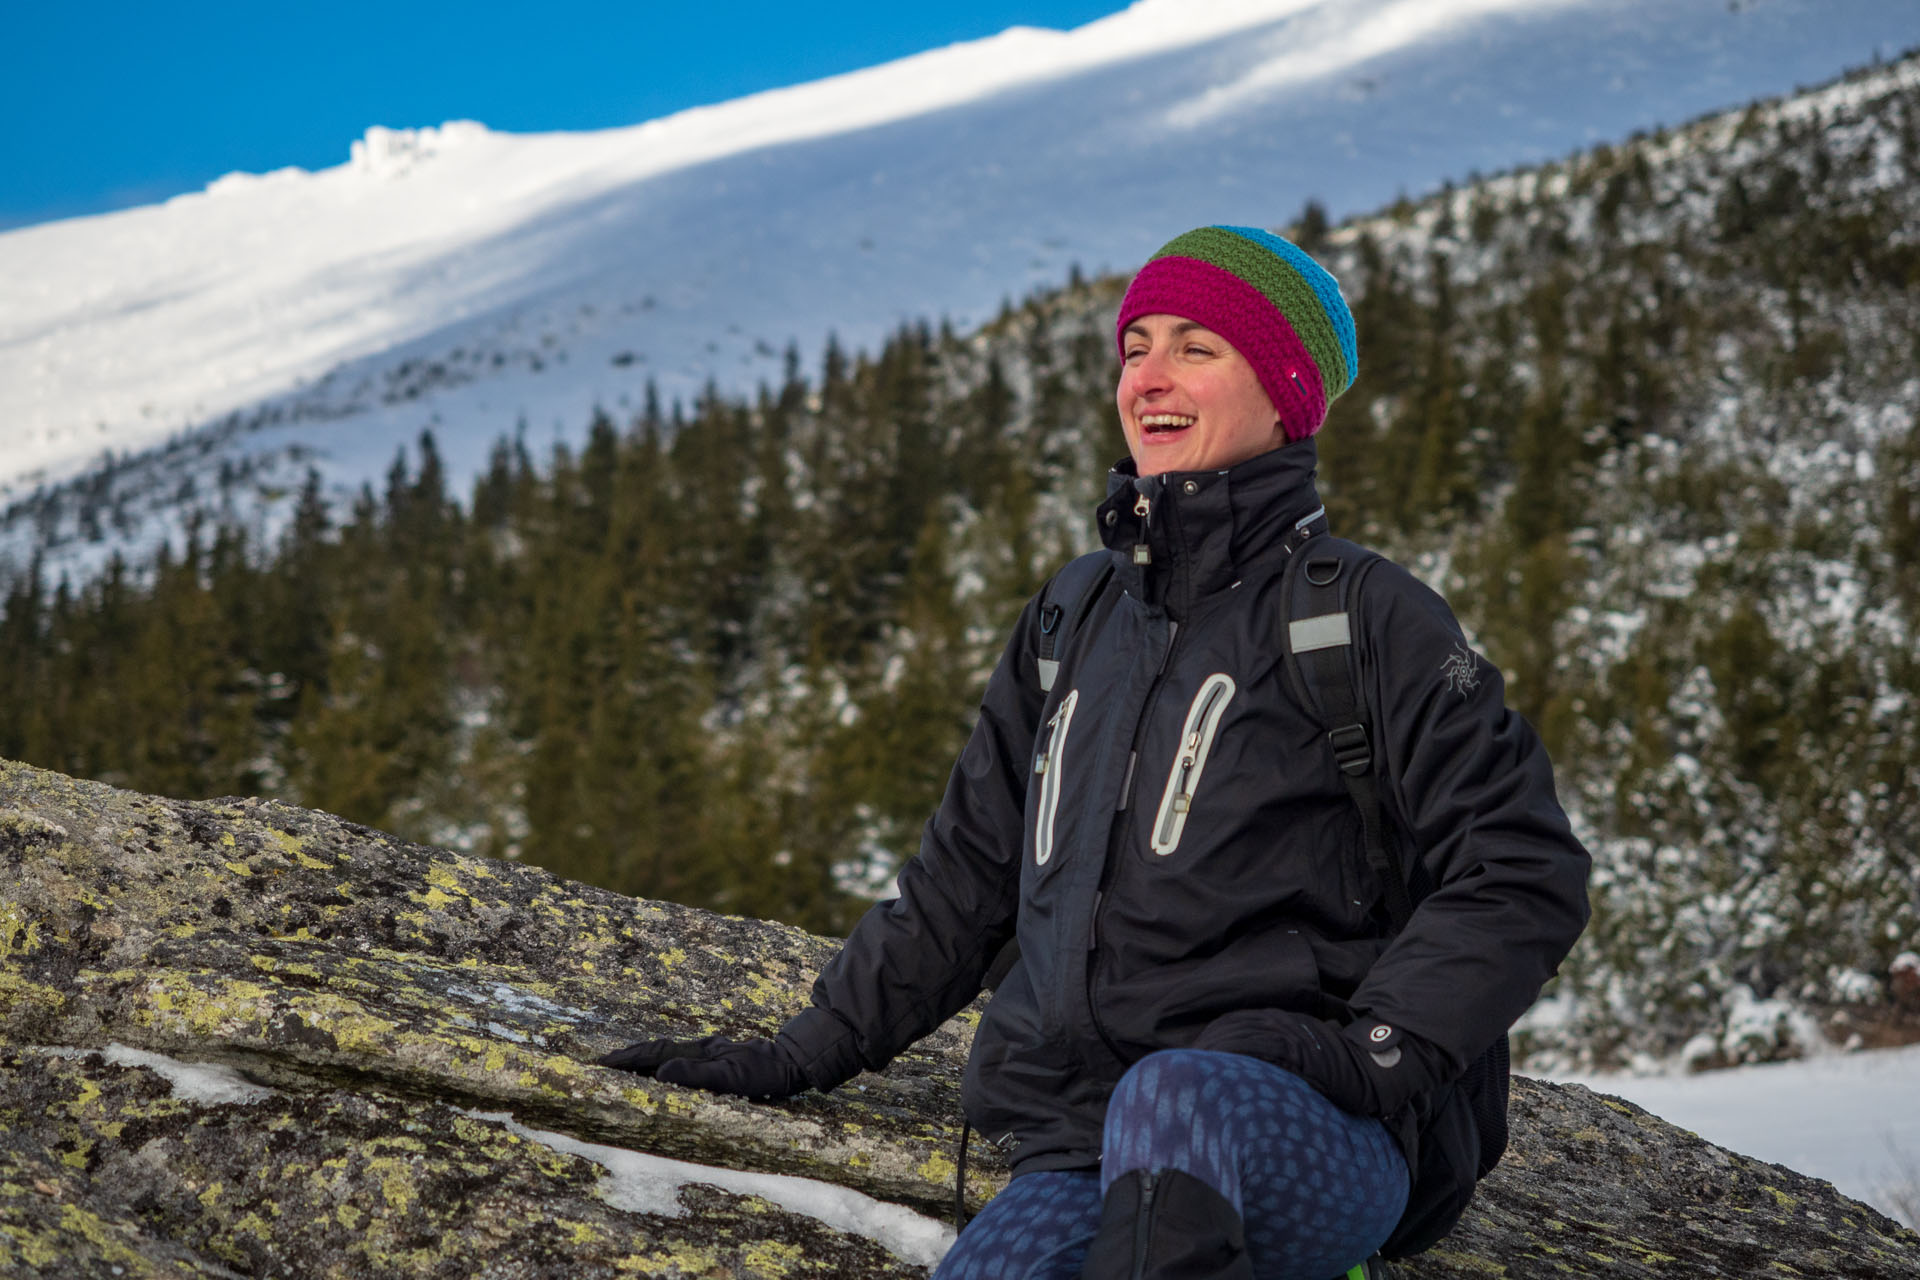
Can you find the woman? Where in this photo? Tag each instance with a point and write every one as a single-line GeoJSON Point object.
{"type": "Point", "coordinates": [1216, 1055]}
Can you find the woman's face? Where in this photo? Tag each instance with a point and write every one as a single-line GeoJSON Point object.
{"type": "Point", "coordinates": [1188, 401]}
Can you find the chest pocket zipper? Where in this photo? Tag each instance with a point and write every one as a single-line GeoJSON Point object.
{"type": "Point", "coordinates": [1050, 766]}
{"type": "Point", "coordinates": [1196, 740]}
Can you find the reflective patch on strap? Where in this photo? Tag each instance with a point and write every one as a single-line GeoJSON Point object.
{"type": "Point", "coordinates": [1049, 668]}
{"type": "Point", "coordinates": [1328, 631]}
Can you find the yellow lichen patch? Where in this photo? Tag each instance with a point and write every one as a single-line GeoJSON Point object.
{"type": "Point", "coordinates": [210, 1195]}
{"type": "Point", "coordinates": [349, 1217]}
{"type": "Point", "coordinates": [102, 1235]}
{"type": "Point", "coordinates": [18, 935]}
{"type": "Point", "coordinates": [435, 898]}
{"type": "Point", "coordinates": [1466, 1262]}
{"type": "Point", "coordinates": [352, 1027]}
{"type": "Point", "coordinates": [1781, 1198]}
{"type": "Point", "coordinates": [1588, 1134]}
{"type": "Point", "coordinates": [775, 1256]}
{"type": "Point", "coordinates": [238, 868]}
{"type": "Point", "coordinates": [690, 1259]}
{"type": "Point", "coordinates": [17, 993]}
{"type": "Point", "coordinates": [1621, 1107]}
{"type": "Point", "coordinates": [205, 1013]}
{"type": "Point", "coordinates": [937, 1169]}
{"type": "Point", "coordinates": [763, 990]}
{"type": "Point", "coordinates": [88, 1095]}
{"type": "Point", "coordinates": [672, 957]}
{"type": "Point", "coordinates": [396, 1182]}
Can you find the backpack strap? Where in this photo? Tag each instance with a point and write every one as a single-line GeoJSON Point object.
{"type": "Point", "coordinates": [1078, 585]}
{"type": "Point", "coordinates": [1319, 594]}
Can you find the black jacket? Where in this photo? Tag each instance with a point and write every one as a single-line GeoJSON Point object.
{"type": "Point", "coordinates": [1139, 923]}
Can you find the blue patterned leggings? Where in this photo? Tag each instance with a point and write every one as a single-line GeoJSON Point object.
{"type": "Point", "coordinates": [1317, 1189]}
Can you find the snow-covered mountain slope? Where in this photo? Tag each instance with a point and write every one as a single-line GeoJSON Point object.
{"type": "Point", "coordinates": [470, 281]}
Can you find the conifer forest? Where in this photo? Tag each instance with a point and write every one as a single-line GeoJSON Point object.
{"type": "Point", "coordinates": [1649, 416]}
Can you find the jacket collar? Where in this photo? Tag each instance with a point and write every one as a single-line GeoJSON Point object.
{"type": "Point", "coordinates": [1205, 530]}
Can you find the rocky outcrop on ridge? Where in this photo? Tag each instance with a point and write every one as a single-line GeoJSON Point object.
{"type": "Point", "coordinates": [384, 1008]}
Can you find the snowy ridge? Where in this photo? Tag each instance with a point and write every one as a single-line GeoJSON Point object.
{"type": "Point", "coordinates": [472, 282]}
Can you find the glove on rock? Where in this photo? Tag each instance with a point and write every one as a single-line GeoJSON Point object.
{"type": "Point", "coordinates": [1366, 1067]}
{"type": "Point", "coordinates": [758, 1068]}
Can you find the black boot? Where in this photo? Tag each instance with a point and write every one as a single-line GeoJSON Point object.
{"type": "Point", "coordinates": [1167, 1225]}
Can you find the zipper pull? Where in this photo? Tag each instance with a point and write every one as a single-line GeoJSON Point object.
{"type": "Point", "coordinates": [1142, 552]}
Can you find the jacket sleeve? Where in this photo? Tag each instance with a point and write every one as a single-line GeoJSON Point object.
{"type": "Point", "coordinates": [1473, 789]}
{"type": "Point", "coordinates": [913, 961]}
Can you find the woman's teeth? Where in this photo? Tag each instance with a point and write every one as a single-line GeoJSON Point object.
{"type": "Point", "coordinates": [1165, 422]}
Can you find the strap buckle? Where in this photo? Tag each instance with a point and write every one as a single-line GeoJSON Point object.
{"type": "Point", "coordinates": [1352, 749]}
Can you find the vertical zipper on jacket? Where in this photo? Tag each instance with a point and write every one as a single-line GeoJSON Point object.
{"type": "Point", "coordinates": [1143, 549]}
{"type": "Point", "coordinates": [1108, 867]}
{"type": "Point", "coordinates": [1196, 742]}
{"type": "Point", "coordinates": [1143, 1225]}
{"type": "Point", "coordinates": [1050, 766]}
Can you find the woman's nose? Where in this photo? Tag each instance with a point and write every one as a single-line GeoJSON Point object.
{"type": "Point", "coordinates": [1148, 373]}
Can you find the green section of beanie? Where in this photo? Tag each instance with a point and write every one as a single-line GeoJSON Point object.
{"type": "Point", "coordinates": [1279, 283]}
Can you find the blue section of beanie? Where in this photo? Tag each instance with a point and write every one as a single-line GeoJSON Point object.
{"type": "Point", "coordinates": [1325, 287]}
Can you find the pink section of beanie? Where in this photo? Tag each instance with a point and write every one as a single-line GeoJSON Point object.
{"type": "Point", "coordinates": [1240, 313]}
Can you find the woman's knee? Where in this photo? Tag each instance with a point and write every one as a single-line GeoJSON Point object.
{"type": "Point", "coordinates": [1179, 1086]}
{"type": "Point", "coordinates": [1174, 1109]}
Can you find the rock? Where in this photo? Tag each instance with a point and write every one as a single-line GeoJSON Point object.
{"type": "Point", "coordinates": [394, 1000]}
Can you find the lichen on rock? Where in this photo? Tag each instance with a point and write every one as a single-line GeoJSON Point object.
{"type": "Point", "coordinates": [386, 991]}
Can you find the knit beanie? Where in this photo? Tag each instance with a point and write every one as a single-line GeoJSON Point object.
{"type": "Point", "coordinates": [1278, 307]}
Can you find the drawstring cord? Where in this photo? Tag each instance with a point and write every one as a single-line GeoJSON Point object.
{"type": "Point", "coordinates": [960, 1178]}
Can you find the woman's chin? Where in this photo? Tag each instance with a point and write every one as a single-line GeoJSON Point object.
{"type": "Point", "coordinates": [1167, 451]}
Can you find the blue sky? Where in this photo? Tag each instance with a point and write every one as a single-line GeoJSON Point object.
{"type": "Point", "coordinates": [113, 104]}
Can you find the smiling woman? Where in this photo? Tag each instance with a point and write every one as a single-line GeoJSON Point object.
{"type": "Point", "coordinates": [1235, 1040]}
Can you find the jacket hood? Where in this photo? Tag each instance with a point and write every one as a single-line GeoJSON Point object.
{"type": "Point", "coordinates": [1202, 529]}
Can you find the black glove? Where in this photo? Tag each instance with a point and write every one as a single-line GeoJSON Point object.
{"type": "Point", "coordinates": [1366, 1067]}
{"type": "Point", "coordinates": [759, 1068]}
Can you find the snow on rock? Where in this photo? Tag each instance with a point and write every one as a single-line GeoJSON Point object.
{"type": "Point", "coordinates": [642, 1183]}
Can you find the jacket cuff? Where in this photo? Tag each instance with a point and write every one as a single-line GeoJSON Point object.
{"type": "Point", "coordinates": [825, 1048]}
